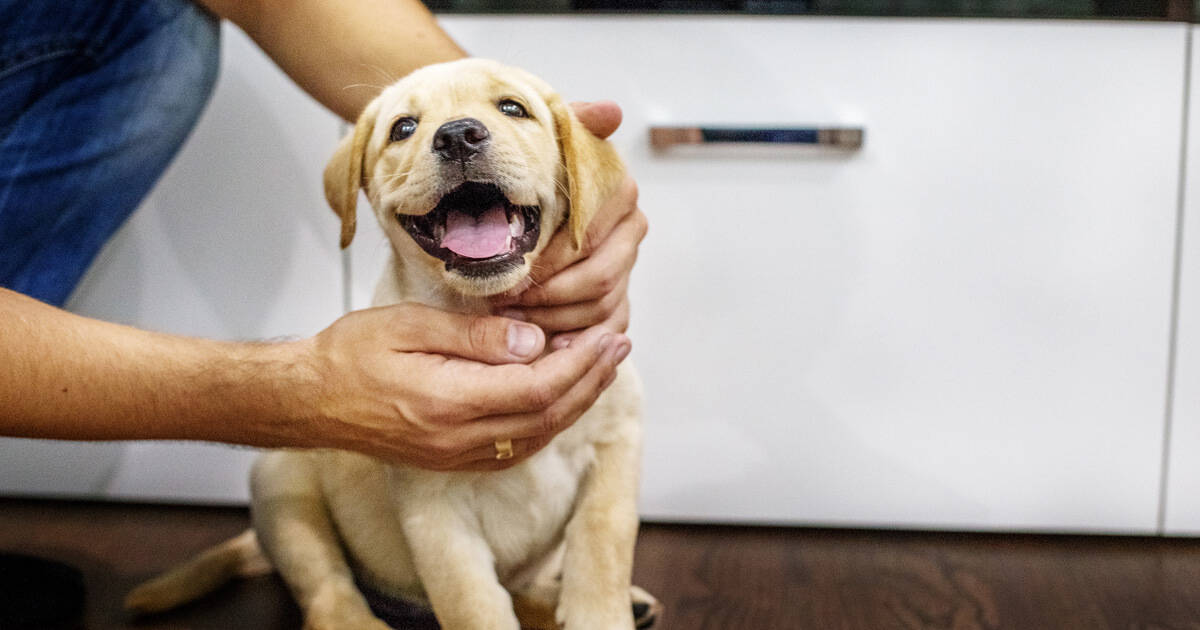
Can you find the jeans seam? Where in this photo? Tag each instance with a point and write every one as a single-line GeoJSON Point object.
{"type": "Point", "coordinates": [41, 53]}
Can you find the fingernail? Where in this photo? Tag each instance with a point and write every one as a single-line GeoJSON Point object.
{"type": "Point", "coordinates": [623, 348]}
{"type": "Point", "coordinates": [522, 339]}
{"type": "Point", "coordinates": [560, 342]}
{"type": "Point", "coordinates": [513, 313]}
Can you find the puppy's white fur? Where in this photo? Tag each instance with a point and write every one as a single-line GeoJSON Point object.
{"type": "Point", "coordinates": [549, 540]}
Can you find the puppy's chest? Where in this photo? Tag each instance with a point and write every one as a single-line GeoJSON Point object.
{"type": "Point", "coordinates": [521, 512]}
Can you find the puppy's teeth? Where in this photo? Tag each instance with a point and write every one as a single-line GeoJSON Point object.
{"type": "Point", "coordinates": [508, 243]}
{"type": "Point", "coordinates": [439, 232]}
{"type": "Point", "coordinates": [514, 229]}
{"type": "Point", "coordinates": [516, 224]}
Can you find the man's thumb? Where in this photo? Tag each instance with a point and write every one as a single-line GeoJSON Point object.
{"type": "Point", "coordinates": [600, 117]}
{"type": "Point", "coordinates": [486, 338]}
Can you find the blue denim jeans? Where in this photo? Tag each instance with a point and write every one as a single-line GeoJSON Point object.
{"type": "Point", "coordinates": [96, 97]}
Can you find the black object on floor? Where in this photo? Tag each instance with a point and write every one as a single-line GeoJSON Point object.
{"type": "Point", "coordinates": [39, 593]}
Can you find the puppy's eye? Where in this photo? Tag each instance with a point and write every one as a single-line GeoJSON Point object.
{"type": "Point", "coordinates": [509, 107]}
{"type": "Point", "coordinates": [403, 128]}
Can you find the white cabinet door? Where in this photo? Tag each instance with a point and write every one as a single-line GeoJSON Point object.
{"type": "Point", "coordinates": [235, 242]}
{"type": "Point", "coordinates": [1182, 513]}
{"type": "Point", "coordinates": [963, 325]}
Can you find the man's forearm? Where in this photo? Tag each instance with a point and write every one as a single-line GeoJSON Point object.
{"type": "Point", "coordinates": [64, 376]}
{"type": "Point", "coordinates": [342, 53]}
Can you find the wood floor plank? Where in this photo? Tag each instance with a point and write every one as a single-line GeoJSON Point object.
{"type": "Point", "coordinates": [709, 578]}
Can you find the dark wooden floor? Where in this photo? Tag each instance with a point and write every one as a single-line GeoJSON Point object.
{"type": "Point", "coordinates": [709, 577]}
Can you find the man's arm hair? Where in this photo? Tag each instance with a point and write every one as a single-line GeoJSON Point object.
{"type": "Point", "coordinates": [64, 376]}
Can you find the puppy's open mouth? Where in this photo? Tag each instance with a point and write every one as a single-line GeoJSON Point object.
{"type": "Point", "coordinates": [476, 230]}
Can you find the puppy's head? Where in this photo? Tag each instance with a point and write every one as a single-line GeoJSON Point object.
{"type": "Point", "coordinates": [470, 167]}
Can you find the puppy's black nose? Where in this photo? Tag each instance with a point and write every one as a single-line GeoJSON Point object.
{"type": "Point", "coordinates": [458, 140]}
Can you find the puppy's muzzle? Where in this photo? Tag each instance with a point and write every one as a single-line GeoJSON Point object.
{"type": "Point", "coordinates": [476, 230]}
{"type": "Point", "coordinates": [460, 140]}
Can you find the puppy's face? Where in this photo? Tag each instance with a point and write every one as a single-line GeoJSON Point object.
{"type": "Point", "coordinates": [469, 167]}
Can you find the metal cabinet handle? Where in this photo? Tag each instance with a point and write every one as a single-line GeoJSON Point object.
{"type": "Point", "coordinates": [848, 138]}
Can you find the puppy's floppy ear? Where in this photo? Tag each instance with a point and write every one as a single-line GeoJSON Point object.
{"type": "Point", "coordinates": [344, 173]}
{"type": "Point", "coordinates": [591, 166]}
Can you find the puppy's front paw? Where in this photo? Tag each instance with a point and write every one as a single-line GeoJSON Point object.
{"type": "Point", "coordinates": [641, 612]}
{"type": "Point", "coordinates": [595, 615]}
{"type": "Point", "coordinates": [647, 610]}
{"type": "Point", "coordinates": [356, 622]}
{"type": "Point", "coordinates": [349, 622]}
{"type": "Point", "coordinates": [341, 609]}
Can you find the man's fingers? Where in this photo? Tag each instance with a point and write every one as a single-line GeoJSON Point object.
{"type": "Point", "coordinates": [560, 253]}
{"type": "Point", "coordinates": [593, 277]}
{"type": "Point", "coordinates": [579, 315]}
{"type": "Point", "coordinates": [617, 322]}
{"type": "Point", "coordinates": [621, 204]}
{"type": "Point", "coordinates": [484, 338]}
{"type": "Point", "coordinates": [484, 457]}
{"type": "Point", "coordinates": [530, 432]}
{"type": "Point", "coordinates": [600, 117]}
{"type": "Point", "coordinates": [473, 390]}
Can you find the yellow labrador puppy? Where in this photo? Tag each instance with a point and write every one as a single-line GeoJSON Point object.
{"type": "Point", "coordinates": [470, 167]}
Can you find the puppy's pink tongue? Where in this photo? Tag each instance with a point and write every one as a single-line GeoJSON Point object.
{"type": "Point", "coordinates": [482, 238]}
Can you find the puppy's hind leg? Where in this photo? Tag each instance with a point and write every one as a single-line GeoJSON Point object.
{"type": "Point", "coordinates": [294, 528]}
{"type": "Point", "coordinates": [237, 557]}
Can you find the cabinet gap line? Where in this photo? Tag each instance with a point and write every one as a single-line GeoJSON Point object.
{"type": "Point", "coordinates": [1176, 289]}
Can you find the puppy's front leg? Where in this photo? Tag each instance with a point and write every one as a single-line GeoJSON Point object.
{"type": "Point", "coordinates": [295, 530]}
{"type": "Point", "coordinates": [457, 569]}
{"type": "Point", "coordinates": [600, 537]}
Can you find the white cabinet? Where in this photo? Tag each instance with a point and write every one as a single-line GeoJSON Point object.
{"type": "Point", "coordinates": [963, 325]}
{"type": "Point", "coordinates": [1182, 488]}
{"type": "Point", "coordinates": [235, 242]}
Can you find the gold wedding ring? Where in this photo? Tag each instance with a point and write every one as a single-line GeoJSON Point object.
{"type": "Point", "coordinates": [504, 449]}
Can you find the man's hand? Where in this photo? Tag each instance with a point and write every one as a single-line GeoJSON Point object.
{"type": "Point", "coordinates": [417, 385]}
{"type": "Point", "coordinates": [570, 290]}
